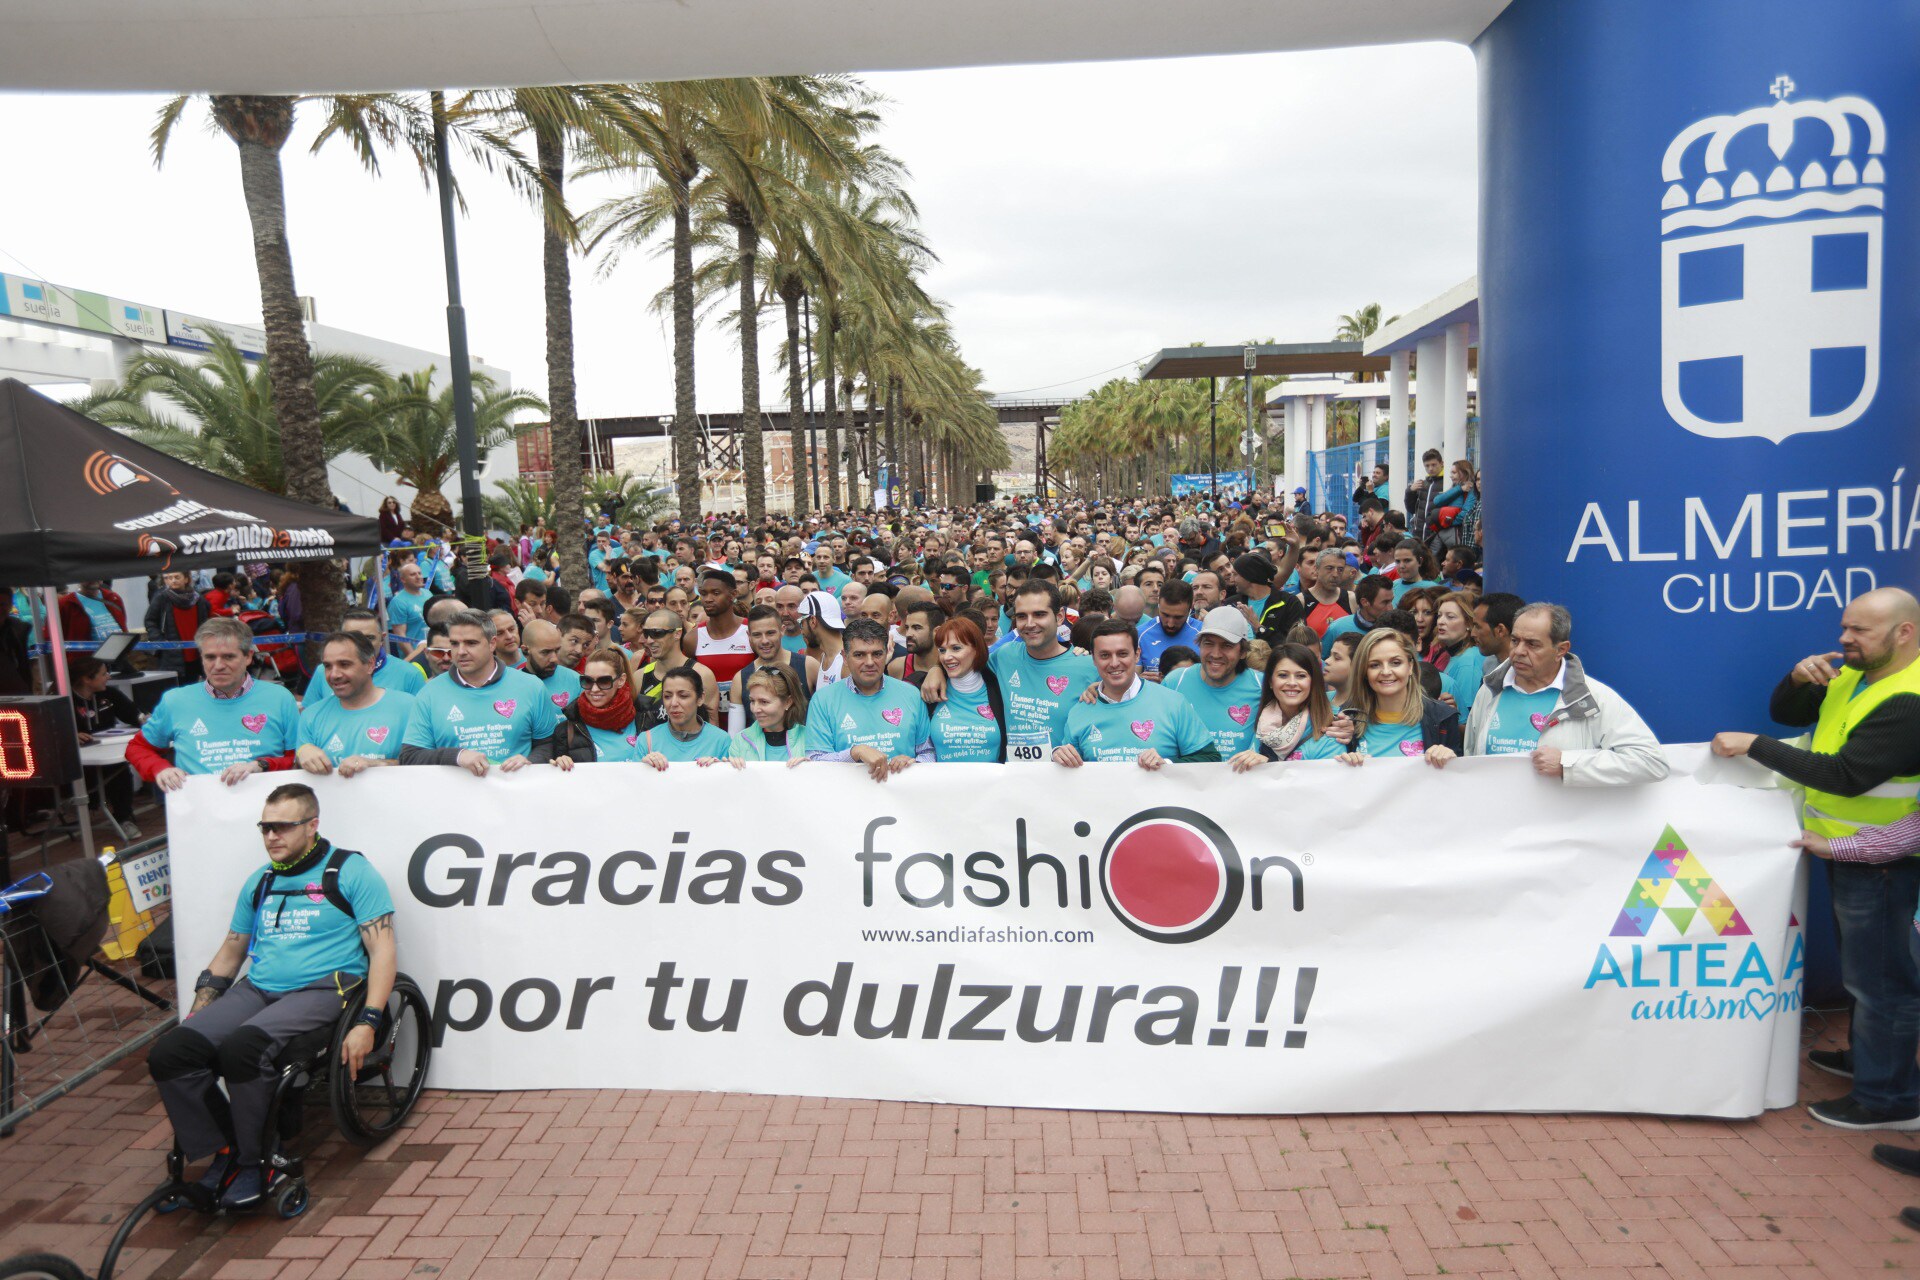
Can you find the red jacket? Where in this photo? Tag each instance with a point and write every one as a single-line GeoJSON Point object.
{"type": "Point", "coordinates": [77, 624]}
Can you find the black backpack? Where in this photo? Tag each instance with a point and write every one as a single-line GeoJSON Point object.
{"type": "Point", "coordinates": [329, 885]}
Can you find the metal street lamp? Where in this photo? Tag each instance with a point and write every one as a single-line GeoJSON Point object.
{"type": "Point", "coordinates": [471, 519]}
{"type": "Point", "coordinates": [1213, 431]}
{"type": "Point", "coordinates": [1249, 359]}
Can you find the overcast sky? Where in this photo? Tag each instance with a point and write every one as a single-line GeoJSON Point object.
{"type": "Point", "coordinates": [1085, 216]}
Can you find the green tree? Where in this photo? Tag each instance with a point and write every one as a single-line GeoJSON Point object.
{"type": "Point", "coordinates": [222, 414]}
{"type": "Point", "coordinates": [519, 502]}
{"type": "Point", "coordinates": [417, 440]}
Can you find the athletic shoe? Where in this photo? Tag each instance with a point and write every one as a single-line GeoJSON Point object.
{"type": "Point", "coordinates": [1845, 1113]}
{"type": "Point", "coordinates": [216, 1171]}
{"type": "Point", "coordinates": [248, 1186]}
{"type": "Point", "coordinates": [1835, 1062]}
{"type": "Point", "coordinates": [1904, 1159]}
{"type": "Point", "coordinates": [132, 828]}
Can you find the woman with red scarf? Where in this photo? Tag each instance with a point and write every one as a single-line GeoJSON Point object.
{"type": "Point", "coordinates": [606, 722]}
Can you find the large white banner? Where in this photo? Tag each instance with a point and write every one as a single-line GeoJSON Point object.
{"type": "Point", "coordinates": [1308, 938]}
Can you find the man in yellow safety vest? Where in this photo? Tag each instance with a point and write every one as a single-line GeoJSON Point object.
{"type": "Point", "coordinates": [1862, 770]}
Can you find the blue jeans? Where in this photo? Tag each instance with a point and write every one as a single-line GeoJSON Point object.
{"type": "Point", "coordinates": [1875, 908]}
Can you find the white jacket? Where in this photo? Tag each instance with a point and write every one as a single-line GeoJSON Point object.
{"type": "Point", "coordinates": [1604, 742]}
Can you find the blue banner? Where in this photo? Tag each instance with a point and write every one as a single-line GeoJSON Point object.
{"type": "Point", "coordinates": [1699, 259]}
{"type": "Point", "coordinates": [1233, 484]}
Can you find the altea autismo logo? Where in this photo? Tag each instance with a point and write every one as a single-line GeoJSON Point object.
{"type": "Point", "coordinates": [1169, 874]}
{"type": "Point", "coordinates": [1684, 951]}
{"type": "Point", "coordinates": [1771, 228]}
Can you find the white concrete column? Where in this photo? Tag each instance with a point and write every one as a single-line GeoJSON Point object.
{"type": "Point", "coordinates": [1398, 410]}
{"type": "Point", "coordinates": [1454, 421]}
{"type": "Point", "coordinates": [1317, 420]}
{"type": "Point", "coordinates": [1296, 441]}
{"type": "Point", "coordinates": [1369, 418]}
{"type": "Point", "coordinates": [1430, 413]}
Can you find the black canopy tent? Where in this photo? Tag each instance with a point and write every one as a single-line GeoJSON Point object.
{"type": "Point", "coordinates": [81, 502]}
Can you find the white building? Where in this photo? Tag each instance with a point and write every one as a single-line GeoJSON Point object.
{"type": "Point", "coordinates": [66, 341]}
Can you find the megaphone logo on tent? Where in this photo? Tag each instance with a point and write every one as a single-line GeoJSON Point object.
{"type": "Point", "coordinates": [108, 472]}
{"type": "Point", "coordinates": [148, 545]}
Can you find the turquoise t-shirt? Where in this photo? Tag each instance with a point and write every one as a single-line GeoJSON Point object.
{"type": "Point", "coordinates": [611, 746]}
{"type": "Point", "coordinates": [303, 938]}
{"type": "Point", "coordinates": [1320, 747]}
{"type": "Point", "coordinates": [832, 582]}
{"type": "Point", "coordinates": [710, 741]}
{"type": "Point", "coordinates": [1348, 625]}
{"type": "Point", "coordinates": [562, 686]}
{"type": "Point", "coordinates": [1037, 696]}
{"type": "Point", "coordinates": [793, 644]}
{"type": "Point", "coordinates": [1401, 588]}
{"type": "Point", "coordinates": [1155, 718]}
{"type": "Point", "coordinates": [404, 614]}
{"type": "Point", "coordinates": [401, 677]}
{"type": "Point", "coordinates": [104, 623]}
{"type": "Point", "coordinates": [1392, 740]}
{"type": "Point", "coordinates": [207, 733]}
{"type": "Point", "coordinates": [1462, 678]}
{"type": "Point", "coordinates": [375, 731]}
{"type": "Point", "coordinates": [499, 720]}
{"type": "Point", "coordinates": [894, 720]}
{"type": "Point", "coordinates": [1518, 720]}
{"type": "Point", "coordinates": [596, 564]}
{"type": "Point", "coordinates": [964, 729]}
{"type": "Point", "coordinates": [1229, 713]}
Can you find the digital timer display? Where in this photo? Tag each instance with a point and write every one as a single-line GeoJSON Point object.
{"type": "Point", "coordinates": [39, 744]}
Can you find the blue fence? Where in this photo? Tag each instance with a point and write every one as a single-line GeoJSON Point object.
{"type": "Point", "coordinates": [1333, 474]}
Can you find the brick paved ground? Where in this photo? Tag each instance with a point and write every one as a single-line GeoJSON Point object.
{"type": "Point", "coordinates": [579, 1184]}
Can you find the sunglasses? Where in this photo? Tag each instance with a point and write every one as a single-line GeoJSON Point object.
{"type": "Point", "coordinates": [441, 653]}
{"type": "Point", "coordinates": [659, 633]}
{"type": "Point", "coordinates": [281, 828]}
{"type": "Point", "coordinates": [599, 682]}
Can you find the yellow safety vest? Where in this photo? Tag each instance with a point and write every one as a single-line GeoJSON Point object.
{"type": "Point", "coordinates": [1840, 711]}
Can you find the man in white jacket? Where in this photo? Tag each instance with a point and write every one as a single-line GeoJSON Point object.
{"type": "Point", "coordinates": [1540, 702]}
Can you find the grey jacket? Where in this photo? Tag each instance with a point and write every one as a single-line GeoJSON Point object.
{"type": "Point", "coordinates": [1604, 740]}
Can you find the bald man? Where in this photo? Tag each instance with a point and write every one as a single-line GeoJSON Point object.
{"type": "Point", "coordinates": [1861, 773]}
{"type": "Point", "coordinates": [1130, 605]}
{"type": "Point", "coordinates": [541, 647]}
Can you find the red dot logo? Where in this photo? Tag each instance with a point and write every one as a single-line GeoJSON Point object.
{"type": "Point", "coordinates": [1171, 874]}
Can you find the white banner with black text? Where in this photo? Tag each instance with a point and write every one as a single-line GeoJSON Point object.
{"type": "Point", "coordinates": [1305, 938]}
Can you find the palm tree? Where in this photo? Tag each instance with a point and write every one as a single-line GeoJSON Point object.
{"type": "Point", "coordinates": [230, 403]}
{"type": "Point", "coordinates": [677, 130]}
{"type": "Point", "coordinates": [418, 442]}
{"type": "Point", "coordinates": [259, 126]}
{"type": "Point", "coordinates": [520, 502]}
{"type": "Point", "coordinates": [625, 493]}
{"type": "Point", "coordinates": [596, 115]}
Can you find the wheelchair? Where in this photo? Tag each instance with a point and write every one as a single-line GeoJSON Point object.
{"type": "Point", "coordinates": [368, 1107]}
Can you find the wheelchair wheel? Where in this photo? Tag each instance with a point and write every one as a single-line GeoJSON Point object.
{"type": "Point", "coordinates": [370, 1106]}
{"type": "Point", "coordinates": [290, 1198]}
{"type": "Point", "coordinates": [41, 1266]}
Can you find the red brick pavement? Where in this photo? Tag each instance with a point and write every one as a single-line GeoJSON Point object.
{"type": "Point", "coordinates": [678, 1185]}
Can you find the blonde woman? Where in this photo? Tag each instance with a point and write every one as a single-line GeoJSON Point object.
{"type": "Point", "coordinates": [779, 729]}
{"type": "Point", "coordinates": [1390, 713]}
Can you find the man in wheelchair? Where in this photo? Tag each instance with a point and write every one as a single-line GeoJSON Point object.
{"type": "Point", "coordinates": [315, 923]}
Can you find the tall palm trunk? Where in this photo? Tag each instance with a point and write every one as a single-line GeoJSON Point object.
{"type": "Point", "coordinates": [853, 441]}
{"type": "Point", "coordinates": [259, 127]}
{"type": "Point", "coordinates": [824, 337]}
{"type": "Point", "coordinates": [686, 425]}
{"type": "Point", "coordinates": [563, 414]}
{"type": "Point", "coordinates": [752, 456]}
{"type": "Point", "coordinates": [893, 436]}
{"type": "Point", "coordinates": [796, 399]}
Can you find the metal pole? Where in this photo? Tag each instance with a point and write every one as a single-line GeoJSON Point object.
{"type": "Point", "coordinates": [1253, 446]}
{"type": "Point", "coordinates": [813, 442]}
{"type": "Point", "coordinates": [471, 519]}
{"type": "Point", "coordinates": [57, 655]}
{"type": "Point", "coordinates": [1213, 433]}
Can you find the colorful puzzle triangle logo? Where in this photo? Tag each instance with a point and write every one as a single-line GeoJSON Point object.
{"type": "Point", "coordinates": [1673, 883]}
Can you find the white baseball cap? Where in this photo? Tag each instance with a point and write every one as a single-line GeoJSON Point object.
{"type": "Point", "coordinates": [818, 604]}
